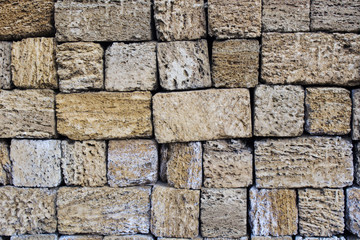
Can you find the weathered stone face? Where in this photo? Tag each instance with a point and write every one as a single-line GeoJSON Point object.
{"type": "Point", "coordinates": [103, 115]}
{"type": "Point", "coordinates": [103, 20]}
{"type": "Point", "coordinates": [353, 210]}
{"type": "Point", "coordinates": [103, 210]}
{"type": "Point", "coordinates": [131, 67]}
{"type": "Point", "coordinates": [81, 237]}
{"type": "Point", "coordinates": [303, 162]}
{"type": "Point", "coordinates": [223, 212]}
{"type": "Point", "coordinates": [27, 211]}
{"type": "Point", "coordinates": [322, 238]}
{"type": "Point", "coordinates": [227, 164]}
{"type": "Point", "coordinates": [355, 114]}
{"type": "Point", "coordinates": [279, 111]}
{"type": "Point", "coordinates": [5, 60]}
{"type": "Point", "coordinates": [321, 212]}
{"type": "Point", "coordinates": [202, 115]}
{"type": "Point", "coordinates": [273, 212]}
{"type": "Point", "coordinates": [129, 237]}
{"type": "Point", "coordinates": [357, 163]}
{"type": "Point", "coordinates": [35, 237]}
{"type": "Point", "coordinates": [184, 65]}
{"type": "Point", "coordinates": [269, 238]}
{"type": "Point", "coordinates": [5, 164]}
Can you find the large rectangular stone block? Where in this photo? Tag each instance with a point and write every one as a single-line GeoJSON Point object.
{"type": "Point", "coordinates": [35, 237]}
{"type": "Point", "coordinates": [353, 210]}
{"type": "Point", "coordinates": [5, 61]}
{"type": "Point", "coordinates": [355, 95]}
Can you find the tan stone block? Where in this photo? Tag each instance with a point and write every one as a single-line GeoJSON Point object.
{"type": "Point", "coordinates": [132, 162]}
{"type": "Point", "coordinates": [184, 65]}
{"type": "Point", "coordinates": [84, 163]}
{"type": "Point", "coordinates": [202, 115]}
{"type": "Point", "coordinates": [304, 162]}
{"type": "Point", "coordinates": [81, 237]}
{"type": "Point", "coordinates": [273, 212]}
{"type": "Point", "coordinates": [195, 238]}
{"type": "Point", "coordinates": [234, 18]}
{"type": "Point", "coordinates": [321, 212]}
{"type": "Point", "coordinates": [131, 67]}
{"type": "Point", "coordinates": [223, 212]}
{"type": "Point", "coordinates": [26, 18]}
{"type": "Point", "coordinates": [27, 211]}
{"type": "Point", "coordinates": [181, 165]}
{"type": "Point", "coordinates": [227, 164]}
{"type": "Point", "coordinates": [269, 238]}
{"type": "Point", "coordinates": [353, 210]}
{"type": "Point", "coordinates": [103, 210]}
{"type": "Point", "coordinates": [5, 164]}
{"type": "Point", "coordinates": [100, 20]}
{"type": "Point", "coordinates": [35, 237]}
{"type": "Point", "coordinates": [310, 58]}
{"type": "Point", "coordinates": [174, 212]}
{"type": "Point", "coordinates": [357, 163]}
{"type": "Point", "coordinates": [279, 111]}
{"type": "Point", "coordinates": [242, 238]}
{"type": "Point", "coordinates": [320, 238]}
{"type": "Point", "coordinates": [33, 63]}
{"type": "Point", "coordinates": [5, 62]}
{"type": "Point", "coordinates": [328, 111]}
{"type": "Point", "coordinates": [103, 115]}
{"type": "Point", "coordinates": [130, 237]}
{"type": "Point", "coordinates": [355, 114]}
{"type": "Point", "coordinates": [235, 63]}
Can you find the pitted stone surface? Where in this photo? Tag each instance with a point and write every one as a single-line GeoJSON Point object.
{"type": "Point", "coordinates": [35, 237]}
{"type": "Point", "coordinates": [323, 238]}
{"type": "Point", "coordinates": [81, 237]}
{"type": "Point", "coordinates": [5, 61]}
{"type": "Point", "coordinates": [5, 164]}
{"type": "Point", "coordinates": [353, 210]}
{"type": "Point", "coordinates": [270, 238]}
{"type": "Point", "coordinates": [129, 237]}
{"type": "Point", "coordinates": [357, 163]}
{"type": "Point", "coordinates": [355, 114]}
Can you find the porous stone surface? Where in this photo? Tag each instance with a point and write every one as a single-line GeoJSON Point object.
{"type": "Point", "coordinates": [355, 114]}
{"type": "Point", "coordinates": [179, 20]}
{"type": "Point", "coordinates": [227, 164]}
{"type": "Point", "coordinates": [279, 111]}
{"type": "Point", "coordinates": [5, 61]}
{"type": "Point", "coordinates": [357, 163]}
{"type": "Point", "coordinates": [273, 212]}
{"type": "Point", "coordinates": [324, 59]}
{"type": "Point", "coordinates": [27, 210]}
{"type": "Point", "coordinates": [33, 63]}
{"type": "Point", "coordinates": [80, 66]}
{"type": "Point", "coordinates": [303, 162]}
{"type": "Point", "coordinates": [35, 237]}
{"type": "Point", "coordinates": [174, 212]}
{"type": "Point", "coordinates": [5, 164]}
{"type": "Point", "coordinates": [270, 237]}
{"type": "Point", "coordinates": [353, 210]}
{"type": "Point", "coordinates": [101, 20]}
{"type": "Point", "coordinates": [132, 162]}
{"type": "Point", "coordinates": [235, 63]}
{"type": "Point", "coordinates": [103, 210]}
{"type": "Point", "coordinates": [332, 15]}
{"type": "Point", "coordinates": [181, 164]}
{"type": "Point", "coordinates": [103, 115]}
{"type": "Point", "coordinates": [321, 212]}
{"type": "Point", "coordinates": [20, 19]}
{"type": "Point", "coordinates": [184, 65]}
{"type": "Point", "coordinates": [322, 238]}
{"type": "Point", "coordinates": [131, 67]}
{"type": "Point", "coordinates": [286, 16]}
{"type": "Point", "coordinates": [223, 212]}
{"type": "Point", "coordinates": [28, 113]}
{"type": "Point", "coordinates": [202, 115]}
{"type": "Point", "coordinates": [80, 237]}
{"type": "Point", "coordinates": [84, 163]}
{"type": "Point", "coordinates": [35, 163]}
{"type": "Point", "coordinates": [234, 19]}
{"type": "Point", "coordinates": [129, 237]}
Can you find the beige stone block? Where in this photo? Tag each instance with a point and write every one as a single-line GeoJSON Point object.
{"type": "Point", "coordinates": [81, 237]}
{"type": "Point", "coordinates": [27, 211]}
{"type": "Point", "coordinates": [241, 238]}
{"type": "Point", "coordinates": [103, 115]}
{"type": "Point", "coordinates": [353, 210]}
{"type": "Point", "coordinates": [5, 164]}
{"type": "Point", "coordinates": [357, 163]}
{"type": "Point", "coordinates": [270, 237]}
{"type": "Point", "coordinates": [227, 164]}
{"type": "Point", "coordinates": [35, 237]}
{"type": "Point", "coordinates": [304, 162]}
{"type": "Point", "coordinates": [181, 165]}
{"type": "Point", "coordinates": [132, 162]}
{"type": "Point", "coordinates": [355, 114]}
{"type": "Point", "coordinates": [129, 237]}
{"type": "Point", "coordinates": [103, 210]}
{"type": "Point", "coordinates": [5, 62]}
{"type": "Point", "coordinates": [321, 238]}
{"type": "Point", "coordinates": [202, 115]}
{"type": "Point", "coordinates": [321, 212]}
{"type": "Point", "coordinates": [33, 63]}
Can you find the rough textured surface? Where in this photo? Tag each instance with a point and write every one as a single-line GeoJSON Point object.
{"type": "Point", "coordinates": [101, 20]}
{"type": "Point", "coordinates": [132, 162]}
{"type": "Point", "coordinates": [102, 115]}
{"type": "Point", "coordinates": [5, 164]}
{"type": "Point", "coordinates": [26, 18]}
{"type": "Point", "coordinates": [227, 164]}
{"type": "Point", "coordinates": [321, 212]}
{"type": "Point", "coordinates": [303, 162]}
{"type": "Point", "coordinates": [84, 163]}
{"type": "Point", "coordinates": [328, 111]}
{"type": "Point", "coordinates": [202, 115]}
{"type": "Point", "coordinates": [28, 113]}
{"type": "Point", "coordinates": [286, 16]}
{"type": "Point", "coordinates": [273, 212]}
{"type": "Point", "coordinates": [181, 164]}
{"type": "Point", "coordinates": [311, 58]}
{"type": "Point", "coordinates": [357, 163]}
{"type": "Point", "coordinates": [80, 237]}
{"type": "Point", "coordinates": [353, 210]}
{"type": "Point", "coordinates": [269, 238]}
{"type": "Point", "coordinates": [235, 63]}
{"type": "Point", "coordinates": [80, 66]}
{"type": "Point", "coordinates": [234, 18]}
{"type": "Point", "coordinates": [223, 212]}
{"type": "Point", "coordinates": [174, 212]}
{"type": "Point", "coordinates": [184, 65]}
{"type": "Point", "coordinates": [34, 214]}
{"type": "Point", "coordinates": [355, 114]}
{"type": "Point", "coordinates": [33, 63]}
{"type": "Point", "coordinates": [129, 237]}
{"type": "Point", "coordinates": [279, 111]}
{"type": "Point", "coordinates": [35, 237]}
{"type": "Point", "coordinates": [103, 210]}
{"type": "Point", "coordinates": [323, 238]}
{"type": "Point", "coordinates": [5, 61]}
{"type": "Point", "coordinates": [131, 67]}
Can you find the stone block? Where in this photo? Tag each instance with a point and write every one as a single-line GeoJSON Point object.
{"type": "Point", "coordinates": [80, 237]}
{"type": "Point", "coordinates": [129, 237]}
{"type": "Point", "coordinates": [35, 237]}
{"type": "Point", "coordinates": [357, 163]}
{"type": "Point", "coordinates": [270, 237]}
{"type": "Point", "coordinates": [355, 114]}
{"type": "Point", "coordinates": [353, 210]}
{"type": "Point", "coordinates": [5, 164]}
{"type": "Point", "coordinates": [322, 238]}
{"type": "Point", "coordinates": [5, 61]}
